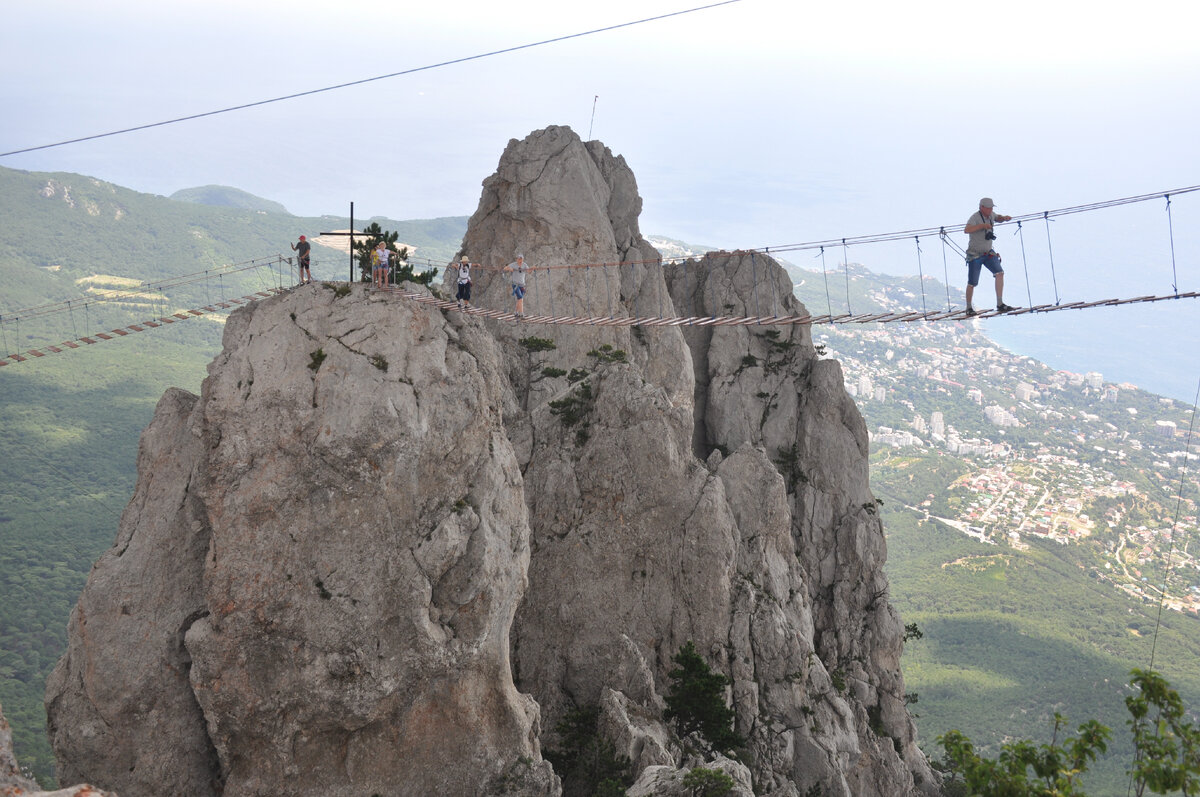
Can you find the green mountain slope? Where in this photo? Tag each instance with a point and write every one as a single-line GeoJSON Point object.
{"type": "Point", "coordinates": [223, 196]}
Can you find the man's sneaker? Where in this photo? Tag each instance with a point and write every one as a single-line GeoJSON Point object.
{"type": "Point", "coordinates": [1004, 308]}
{"type": "Point", "coordinates": [971, 312]}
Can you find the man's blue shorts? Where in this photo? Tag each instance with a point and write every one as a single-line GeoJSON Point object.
{"type": "Point", "coordinates": [975, 266]}
{"type": "Point", "coordinates": [519, 291]}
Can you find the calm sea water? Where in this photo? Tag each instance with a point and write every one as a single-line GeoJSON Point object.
{"type": "Point", "coordinates": [1154, 346]}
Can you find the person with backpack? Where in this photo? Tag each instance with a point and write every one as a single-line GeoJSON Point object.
{"type": "Point", "coordinates": [980, 253]}
{"type": "Point", "coordinates": [464, 282]}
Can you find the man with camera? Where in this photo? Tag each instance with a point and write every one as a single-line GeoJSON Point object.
{"type": "Point", "coordinates": [980, 253]}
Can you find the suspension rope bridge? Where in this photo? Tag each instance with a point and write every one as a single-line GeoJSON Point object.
{"type": "Point", "coordinates": [276, 265]}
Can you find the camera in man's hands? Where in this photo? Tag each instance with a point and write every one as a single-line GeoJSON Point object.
{"type": "Point", "coordinates": [989, 235]}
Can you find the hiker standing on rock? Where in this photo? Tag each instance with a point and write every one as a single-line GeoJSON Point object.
{"type": "Point", "coordinates": [379, 259]}
{"type": "Point", "coordinates": [303, 248]}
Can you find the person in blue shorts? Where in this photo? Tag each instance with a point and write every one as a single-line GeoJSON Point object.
{"type": "Point", "coordinates": [981, 255]}
{"type": "Point", "coordinates": [518, 269]}
{"type": "Point", "coordinates": [379, 265]}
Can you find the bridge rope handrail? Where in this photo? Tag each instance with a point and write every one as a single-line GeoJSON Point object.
{"type": "Point", "coordinates": [886, 317]}
{"type": "Point", "coordinates": [135, 292]}
{"type": "Point", "coordinates": [155, 323]}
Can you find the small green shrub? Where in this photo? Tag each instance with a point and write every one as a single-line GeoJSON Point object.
{"type": "Point", "coordinates": [587, 762]}
{"type": "Point", "coordinates": [696, 702]}
{"type": "Point", "coordinates": [316, 358]}
{"type": "Point", "coordinates": [532, 344]}
{"type": "Point", "coordinates": [607, 354]}
{"type": "Point", "coordinates": [708, 782]}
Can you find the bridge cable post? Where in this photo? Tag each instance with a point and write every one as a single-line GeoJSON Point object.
{"type": "Point", "coordinates": [846, 266]}
{"type": "Point", "coordinates": [774, 300]}
{"type": "Point", "coordinates": [1171, 235]}
{"type": "Point", "coordinates": [754, 276]}
{"type": "Point", "coordinates": [1050, 248]}
{"type": "Point", "coordinates": [825, 274]}
{"type": "Point", "coordinates": [687, 291]}
{"type": "Point", "coordinates": [71, 312]}
{"type": "Point", "coordinates": [1025, 264]}
{"type": "Point", "coordinates": [945, 268]}
{"type": "Point", "coordinates": [607, 297]}
{"type": "Point", "coordinates": [921, 275]}
{"type": "Point", "coordinates": [663, 273]}
{"type": "Point", "coordinates": [550, 290]}
{"type": "Point", "coordinates": [633, 287]}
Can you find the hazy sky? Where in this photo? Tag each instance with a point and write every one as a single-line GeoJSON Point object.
{"type": "Point", "coordinates": [756, 123]}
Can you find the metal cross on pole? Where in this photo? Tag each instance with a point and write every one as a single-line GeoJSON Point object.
{"type": "Point", "coordinates": [351, 234]}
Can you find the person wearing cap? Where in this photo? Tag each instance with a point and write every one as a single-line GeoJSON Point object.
{"type": "Point", "coordinates": [980, 253]}
{"type": "Point", "coordinates": [464, 282]}
{"type": "Point", "coordinates": [518, 269]}
{"type": "Point", "coordinates": [302, 258]}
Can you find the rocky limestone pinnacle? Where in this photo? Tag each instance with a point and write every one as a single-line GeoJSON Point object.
{"type": "Point", "coordinates": [389, 547]}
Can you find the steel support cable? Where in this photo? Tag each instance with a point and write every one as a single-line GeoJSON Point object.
{"type": "Point", "coordinates": [921, 275]}
{"type": "Point", "coordinates": [902, 234]}
{"type": "Point", "coordinates": [846, 266]}
{"type": "Point", "coordinates": [1171, 234]}
{"type": "Point", "coordinates": [945, 268]}
{"type": "Point", "coordinates": [825, 273]}
{"type": "Point", "coordinates": [1025, 264]}
{"type": "Point", "coordinates": [371, 79]}
{"type": "Point", "coordinates": [1183, 469]}
{"type": "Point", "coordinates": [1050, 248]}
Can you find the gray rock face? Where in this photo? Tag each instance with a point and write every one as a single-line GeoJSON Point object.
{"type": "Point", "coordinates": [10, 771]}
{"type": "Point", "coordinates": [14, 784]}
{"type": "Point", "coordinates": [317, 574]}
{"type": "Point", "coordinates": [388, 548]}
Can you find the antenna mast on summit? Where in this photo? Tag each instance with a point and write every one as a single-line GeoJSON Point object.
{"type": "Point", "coordinates": [594, 101]}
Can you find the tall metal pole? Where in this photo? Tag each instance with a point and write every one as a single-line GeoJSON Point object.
{"type": "Point", "coordinates": [351, 243]}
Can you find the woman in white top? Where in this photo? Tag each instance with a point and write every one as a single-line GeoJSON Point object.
{"type": "Point", "coordinates": [464, 283]}
{"type": "Point", "coordinates": [380, 260]}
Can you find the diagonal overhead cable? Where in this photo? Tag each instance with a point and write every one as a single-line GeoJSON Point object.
{"type": "Point", "coordinates": [369, 79]}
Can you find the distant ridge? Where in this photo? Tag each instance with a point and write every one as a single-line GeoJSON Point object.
{"type": "Point", "coordinates": [224, 196]}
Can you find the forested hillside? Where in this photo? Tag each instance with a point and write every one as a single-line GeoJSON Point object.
{"type": "Point", "coordinates": [70, 422]}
